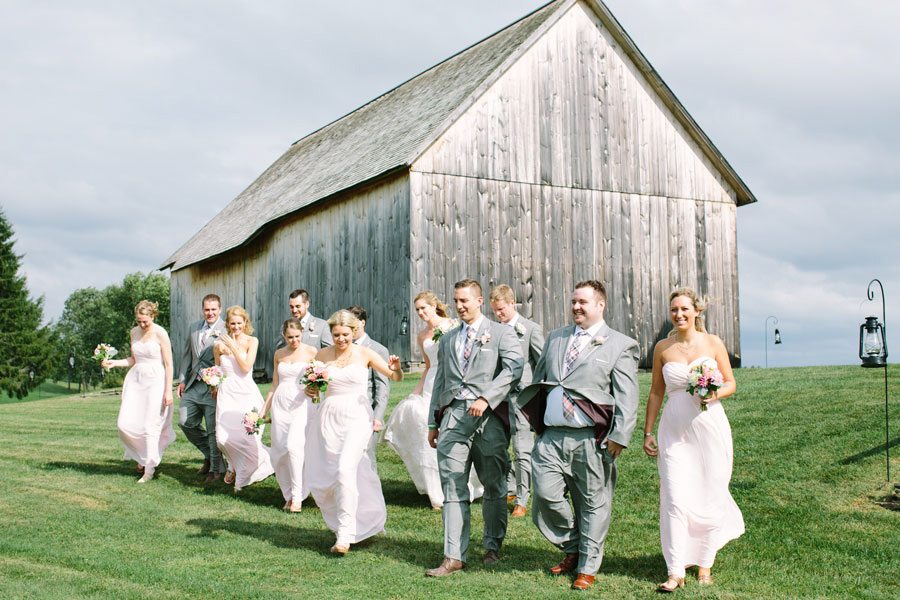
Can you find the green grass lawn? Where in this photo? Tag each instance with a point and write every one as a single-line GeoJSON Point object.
{"type": "Point", "coordinates": [809, 459]}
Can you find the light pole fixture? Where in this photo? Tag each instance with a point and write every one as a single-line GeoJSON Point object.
{"type": "Point", "coordinates": [766, 336]}
{"type": "Point", "coordinates": [71, 369]}
{"type": "Point", "coordinates": [873, 353]}
{"type": "Point", "coordinates": [404, 325]}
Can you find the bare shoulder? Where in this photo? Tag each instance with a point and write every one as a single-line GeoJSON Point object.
{"type": "Point", "coordinates": [715, 341]}
{"type": "Point", "coordinates": [161, 332]}
{"type": "Point", "coordinates": [663, 344]}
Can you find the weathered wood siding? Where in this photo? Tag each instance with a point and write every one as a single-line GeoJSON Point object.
{"type": "Point", "coordinates": [352, 249]}
{"type": "Point", "coordinates": [570, 167]}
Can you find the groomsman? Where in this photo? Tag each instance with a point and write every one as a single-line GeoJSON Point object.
{"type": "Point", "coordinates": [531, 338]}
{"type": "Point", "coordinates": [315, 330]}
{"type": "Point", "coordinates": [197, 402]}
{"type": "Point", "coordinates": [478, 363]}
{"type": "Point", "coordinates": [582, 405]}
{"type": "Point", "coordinates": [378, 385]}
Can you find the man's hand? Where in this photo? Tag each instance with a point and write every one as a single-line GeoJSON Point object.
{"type": "Point", "coordinates": [613, 448]}
{"type": "Point", "coordinates": [478, 407]}
{"type": "Point", "coordinates": [432, 437]}
{"type": "Point", "coordinates": [180, 389]}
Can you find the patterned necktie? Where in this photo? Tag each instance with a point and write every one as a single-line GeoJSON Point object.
{"type": "Point", "coordinates": [571, 356]}
{"type": "Point", "coordinates": [467, 349]}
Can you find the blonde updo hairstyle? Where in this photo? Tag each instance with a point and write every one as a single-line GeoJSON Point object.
{"type": "Point", "coordinates": [147, 308]}
{"type": "Point", "coordinates": [698, 303]}
{"type": "Point", "coordinates": [431, 298]}
{"type": "Point", "coordinates": [239, 311]}
{"type": "Point", "coordinates": [344, 318]}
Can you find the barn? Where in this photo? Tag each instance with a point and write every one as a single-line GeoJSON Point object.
{"type": "Point", "coordinates": [547, 153]}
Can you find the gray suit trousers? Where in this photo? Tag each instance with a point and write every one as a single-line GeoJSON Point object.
{"type": "Point", "coordinates": [197, 406]}
{"type": "Point", "coordinates": [568, 459]}
{"type": "Point", "coordinates": [519, 484]}
{"type": "Point", "coordinates": [464, 441]}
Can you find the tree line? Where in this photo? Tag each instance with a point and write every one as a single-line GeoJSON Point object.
{"type": "Point", "coordinates": [32, 352]}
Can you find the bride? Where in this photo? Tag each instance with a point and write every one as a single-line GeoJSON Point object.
{"type": "Point", "coordinates": [341, 477]}
{"type": "Point", "coordinates": [407, 429]}
{"type": "Point", "coordinates": [697, 515]}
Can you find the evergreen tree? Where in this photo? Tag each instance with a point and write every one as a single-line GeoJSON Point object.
{"type": "Point", "coordinates": [25, 344]}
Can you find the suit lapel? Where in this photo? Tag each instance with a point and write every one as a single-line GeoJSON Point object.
{"type": "Point", "coordinates": [589, 348]}
{"type": "Point", "coordinates": [563, 342]}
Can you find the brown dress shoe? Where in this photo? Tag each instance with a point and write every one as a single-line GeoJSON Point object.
{"type": "Point", "coordinates": [583, 582]}
{"type": "Point", "coordinates": [448, 567]}
{"type": "Point", "coordinates": [491, 557]}
{"type": "Point", "coordinates": [211, 477]}
{"type": "Point", "coordinates": [567, 565]}
{"type": "Point", "coordinates": [510, 499]}
{"type": "Point", "coordinates": [519, 511]}
{"type": "Point", "coordinates": [205, 468]}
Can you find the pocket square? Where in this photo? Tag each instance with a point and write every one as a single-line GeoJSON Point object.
{"type": "Point", "coordinates": [487, 350]}
{"type": "Point", "coordinates": [600, 360]}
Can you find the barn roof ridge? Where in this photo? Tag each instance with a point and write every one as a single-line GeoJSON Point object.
{"type": "Point", "coordinates": [392, 130]}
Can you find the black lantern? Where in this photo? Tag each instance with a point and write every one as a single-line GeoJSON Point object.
{"type": "Point", "coordinates": [774, 320]}
{"type": "Point", "coordinates": [872, 345]}
{"type": "Point", "coordinates": [777, 336]}
{"type": "Point", "coordinates": [404, 325]}
{"type": "Point", "coordinates": [873, 353]}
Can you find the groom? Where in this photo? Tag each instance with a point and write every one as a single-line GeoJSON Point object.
{"type": "Point", "coordinates": [582, 406]}
{"type": "Point", "coordinates": [478, 363]}
{"type": "Point", "coordinates": [197, 403]}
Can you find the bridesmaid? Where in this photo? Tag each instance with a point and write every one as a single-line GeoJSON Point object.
{"type": "Point", "coordinates": [289, 406]}
{"type": "Point", "coordinates": [235, 352]}
{"type": "Point", "coordinates": [145, 417]}
{"type": "Point", "coordinates": [697, 515]}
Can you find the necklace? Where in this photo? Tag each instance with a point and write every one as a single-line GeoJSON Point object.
{"type": "Point", "coordinates": [344, 359]}
{"type": "Point", "coordinates": [683, 347]}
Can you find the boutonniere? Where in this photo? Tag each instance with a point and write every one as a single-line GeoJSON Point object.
{"type": "Point", "coordinates": [443, 328]}
{"type": "Point", "coordinates": [311, 327]}
{"type": "Point", "coordinates": [599, 340]}
{"type": "Point", "coordinates": [520, 329]}
{"type": "Point", "coordinates": [214, 333]}
{"type": "Point", "coordinates": [485, 338]}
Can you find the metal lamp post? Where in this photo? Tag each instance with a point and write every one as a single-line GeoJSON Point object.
{"type": "Point", "coordinates": [873, 353]}
{"type": "Point", "coordinates": [766, 338]}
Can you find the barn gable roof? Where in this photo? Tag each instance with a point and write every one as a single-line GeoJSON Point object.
{"type": "Point", "coordinates": [390, 132]}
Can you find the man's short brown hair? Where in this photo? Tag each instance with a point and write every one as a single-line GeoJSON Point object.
{"type": "Point", "coordinates": [469, 283]}
{"type": "Point", "coordinates": [593, 283]}
{"type": "Point", "coordinates": [502, 293]}
{"type": "Point", "coordinates": [210, 298]}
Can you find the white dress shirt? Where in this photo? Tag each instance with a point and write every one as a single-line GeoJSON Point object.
{"type": "Point", "coordinates": [555, 416]}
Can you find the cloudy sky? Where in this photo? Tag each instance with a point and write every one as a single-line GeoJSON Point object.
{"type": "Point", "coordinates": [127, 125]}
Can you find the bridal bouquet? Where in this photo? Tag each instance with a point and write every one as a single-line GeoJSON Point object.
{"type": "Point", "coordinates": [443, 328]}
{"type": "Point", "coordinates": [212, 376]}
{"type": "Point", "coordinates": [704, 379]}
{"type": "Point", "coordinates": [104, 352]}
{"type": "Point", "coordinates": [316, 377]}
{"type": "Point", "coordinates": [252, 422]}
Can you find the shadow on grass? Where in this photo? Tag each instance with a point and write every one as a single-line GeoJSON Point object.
{"type": "Point", "coordinates": [870, 452]}
{"type": "Point", "coordinates": [319, 540]}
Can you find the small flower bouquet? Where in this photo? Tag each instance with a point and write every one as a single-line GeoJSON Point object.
{"type": "Point", "coordinates": [704, 379]}
{"type": "Point", "coordinates": [212, 376]}
{"type": "Point", "coordinates": [316, 377]}
{"type": "Point", "coordinates": [252, 422]}
{"type": "Point", "coordinates": [104, 352]}
{"type": "Point", "coordinates": [443, 328]}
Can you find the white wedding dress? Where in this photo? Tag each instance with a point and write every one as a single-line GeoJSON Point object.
{"type": "Point", "coordinates": [246, 454]}
{"type": "Point", "coordinates": [407, 434]}
{"type": "Point", "coordinates": [697, 515]}
{"type": "Point", "coordinates": [145, 425]}
{"type": "Point", "coordinates": [290, 417]}
{"type": "Point", "coordinates": [340, 475]}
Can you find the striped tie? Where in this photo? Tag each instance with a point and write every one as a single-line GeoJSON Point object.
{"type": "Point", "coordinates": [571, 356]}
{"type": "Point", "coordinates": [467, 350]}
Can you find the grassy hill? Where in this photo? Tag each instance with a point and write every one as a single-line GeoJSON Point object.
{"type": "Point", "coordinates": [809, 460]}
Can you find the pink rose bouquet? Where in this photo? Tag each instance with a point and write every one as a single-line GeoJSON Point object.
{"type": "Point", "coordinates": [316, 377]}
{"type": "Point", "coordinates": [252, 422]}
{"type": "Point", "coordinates": [703, 381]}
{"type": "Point", "coordinates": [212, 376]}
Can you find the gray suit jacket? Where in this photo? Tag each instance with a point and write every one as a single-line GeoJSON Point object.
{"type": "Point", "coordinates": [379, 386]}
{"type": "Point", "coordinates": [194, 357]}
{"type": "Point", "coordinates": [604, 375]}
{"type": "Point", "coordinates": [494, 369]}
{"type": "Point", "coordinates": [316, 333]}
{"type": "Point", "coordinates": [532, 341]}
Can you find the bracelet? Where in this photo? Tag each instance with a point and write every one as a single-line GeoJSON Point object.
{"type": "Point", "coordinates": [648, 434]}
